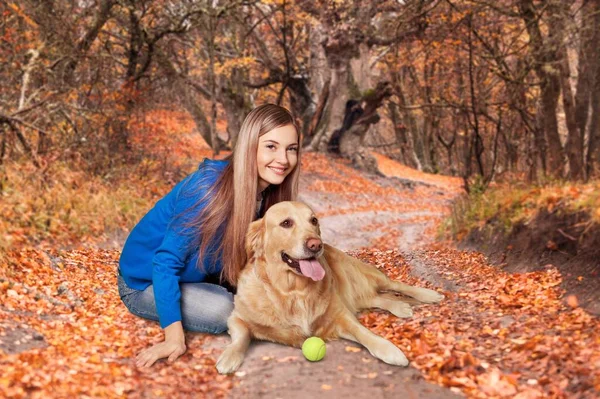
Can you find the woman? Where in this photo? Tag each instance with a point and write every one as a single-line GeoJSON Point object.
{"type": "Point", "coordinates": [197, 232]}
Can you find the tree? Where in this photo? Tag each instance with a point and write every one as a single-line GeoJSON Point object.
{"type": "Point", "coordinates": [349, 31]}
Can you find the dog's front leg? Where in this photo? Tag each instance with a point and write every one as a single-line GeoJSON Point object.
{"type": "Point", "coordinates": [351, 329]}
{"type": "Point", "coordinates": [233, 355]}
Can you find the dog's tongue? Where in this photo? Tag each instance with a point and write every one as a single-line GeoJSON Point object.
{"type": "Point", "coordinates": [312, 268]}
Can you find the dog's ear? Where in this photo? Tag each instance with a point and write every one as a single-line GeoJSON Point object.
{"type": "Point", "coordinates": [254, 238]}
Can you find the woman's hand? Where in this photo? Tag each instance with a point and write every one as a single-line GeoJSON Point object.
{"type": "Point", "coordinates": [172, 347]}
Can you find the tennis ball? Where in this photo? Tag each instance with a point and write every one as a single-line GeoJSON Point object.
{"type": "Point", "coordinates": [314, 349]}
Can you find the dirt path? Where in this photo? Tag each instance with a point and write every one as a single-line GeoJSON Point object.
{"type": "Point", "coordinates": [276, 371]}
{"type": "Point", "coordinates": [348, 370]}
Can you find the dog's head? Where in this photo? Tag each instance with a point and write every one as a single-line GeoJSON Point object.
{"type": "Point", "coordinates": [289, 238]}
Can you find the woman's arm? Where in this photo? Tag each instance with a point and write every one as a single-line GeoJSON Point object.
{"type": "Point", "coordinates": [167, 266]}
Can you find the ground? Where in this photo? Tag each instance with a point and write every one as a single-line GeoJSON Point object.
{"type": "Point", "coordinates": [568, 239]}
{"type": "Point", "coordinates": [64, 332]}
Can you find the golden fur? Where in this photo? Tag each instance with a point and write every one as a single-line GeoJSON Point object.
{"type": "Point", "coordinates": [275, 302]}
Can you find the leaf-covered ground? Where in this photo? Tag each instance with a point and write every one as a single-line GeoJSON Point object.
{"type": "Point", "coordinates": [65, 333]}
{"type": "Point", "coordinates": [499, 334]}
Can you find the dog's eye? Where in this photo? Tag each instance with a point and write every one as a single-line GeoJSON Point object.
{"type": "Point", "coordinates": [314, 221]}
{"type": "Point", "coordinates": [287, 223]}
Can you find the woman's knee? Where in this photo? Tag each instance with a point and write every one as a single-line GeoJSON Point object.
{"type": "Point", "coordinates": [140, 308]}
{"type": "Point", "coordinates": [206, 308]}
{"type": "Point", "coordinates": [140, 303]}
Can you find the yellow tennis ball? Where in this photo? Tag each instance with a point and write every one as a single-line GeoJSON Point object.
{"type": "Point", "coordinates": [314, 349]}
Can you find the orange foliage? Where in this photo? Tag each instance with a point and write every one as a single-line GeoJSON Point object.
{"type": "Point", "coordinates": [366, 194]}
{"type": "Point", "coordinates": [390, 167]}
{"type": "Point", "coordinates": [499, 335]}
{"type": "Point", "coordinates": [170, 135]}
{"type": "Point", "coordinates": [90, 336]}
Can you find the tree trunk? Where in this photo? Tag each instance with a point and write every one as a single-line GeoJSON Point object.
{"type": "Point", "coordinates": [588, 85]}
{"type": "Point", "coordinates": [340, 47]}
{"type": "Point", "coordinates": [354, 129]}
{"type": "Point", "coordinates": [550, 95]}
{"type": "Point", "coordinates": [574, 139]}
{"type": "Point", "coordinates": [301, 102]}
{"type": "Point", "coordinates": [333, 114]}
{"type": "Point", "coordinates": [431, 120]}
{"type": "Point", "coordinates": [212, 26]}
{"type": "Point", "coordinates": [400, 131]}
{"type": "Point", "coordinates": [87, 40]}
{"type": "Point", "coordinates": [593, 152]}
{"type": "Point", "coordinates": [413, 130]}
{"type": "Point", "coordinates": [593, 155]}
{"type": "Point", "coordinates": [545, 57]}
{"type": "Point", "coordinates": [233, 99]}
{"type": "Point", "coordinates": [320, 81]}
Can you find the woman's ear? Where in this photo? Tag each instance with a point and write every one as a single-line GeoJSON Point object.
{"type": "Point", "coordinates": [254, 238]}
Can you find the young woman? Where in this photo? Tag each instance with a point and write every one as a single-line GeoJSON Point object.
{"type": "Point", "coordinates": [197, 232]}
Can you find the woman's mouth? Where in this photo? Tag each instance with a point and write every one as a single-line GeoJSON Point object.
{"type": "Point", "coordinates": [277, 171]}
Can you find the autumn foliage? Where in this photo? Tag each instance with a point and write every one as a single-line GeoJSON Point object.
{"type": "Point", "coordinates": [79, 339]}
{"type": "Point", "coordinates": [105, 105]}
{"type": "Point", "coordinates": [498, 334]}
{"type": "Point", "coordinates": [64, 331]}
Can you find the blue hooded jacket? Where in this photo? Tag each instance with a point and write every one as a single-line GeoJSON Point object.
{"type": "Point", "coordinates": [157, 250]}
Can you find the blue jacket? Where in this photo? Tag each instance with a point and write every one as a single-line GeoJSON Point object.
{"type": "Point", "coordinates": [157, 250]}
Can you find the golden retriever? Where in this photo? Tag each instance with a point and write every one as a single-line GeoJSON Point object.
{"type": "Point", "coordinates": [294, 287]}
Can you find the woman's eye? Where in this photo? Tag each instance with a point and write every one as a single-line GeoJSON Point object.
{"type": "Point", "coordinates": [294, 149]}
{"type": "Point", "coordinates": [287, 223]}
{"type": "Point", "coordinates": [270, 146]}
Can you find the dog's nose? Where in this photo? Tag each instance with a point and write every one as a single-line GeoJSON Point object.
{"type": "Point", "coordinates": [314, 244]}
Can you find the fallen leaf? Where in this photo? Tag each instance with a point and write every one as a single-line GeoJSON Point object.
{"type": "Point", "coordinates": [287, 359]}
{"type": "Point", "coordinates": [572, 301]}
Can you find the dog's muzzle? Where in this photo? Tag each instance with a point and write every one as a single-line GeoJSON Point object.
{"type": "Point", "coordinates": [309, 267]}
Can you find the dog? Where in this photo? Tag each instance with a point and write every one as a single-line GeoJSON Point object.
{"type": "Point", "coordinates": [294, 286]}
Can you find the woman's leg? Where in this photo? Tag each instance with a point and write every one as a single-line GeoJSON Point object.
{"type": "Point", "coordinates": [204, 307]}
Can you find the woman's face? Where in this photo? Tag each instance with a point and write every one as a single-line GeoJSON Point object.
{"type": "Point", "coordinates": [277, 155]}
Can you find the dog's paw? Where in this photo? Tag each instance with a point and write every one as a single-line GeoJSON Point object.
{"type": "Point", "coordinates": [389, 353]}
{"type": "Point", "coordinates": [428, 296]}
{"type": "Point", "coordinates": [229, 361]}
{"type": "Point", "coordinates": [401, 309]}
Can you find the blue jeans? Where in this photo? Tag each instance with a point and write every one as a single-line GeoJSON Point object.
{"type": "Point", "coordinates": [205, 307]}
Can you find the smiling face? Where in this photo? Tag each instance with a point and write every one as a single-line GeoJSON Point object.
{"type": "Point", "coordinates": [290, 237]}
{"type": "Point", "coordinates": [277, 155]}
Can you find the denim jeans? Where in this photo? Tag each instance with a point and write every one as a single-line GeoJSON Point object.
{"type": "Point", "coordinates": [205, 307]}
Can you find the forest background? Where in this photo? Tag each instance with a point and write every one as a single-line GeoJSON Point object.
{"type": "Point", "coordinates": [106, 104]}
{"type": "Point", "coordinates": [112, 90]}
{"type": "Point", "coordinates": [109, 90]}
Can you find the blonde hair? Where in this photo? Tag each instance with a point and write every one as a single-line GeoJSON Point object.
{"type": "Point", "coordinates": [231, 200]}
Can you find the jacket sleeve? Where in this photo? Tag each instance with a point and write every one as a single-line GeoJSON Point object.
{"type": "Point", "coordinates": [170, 258]}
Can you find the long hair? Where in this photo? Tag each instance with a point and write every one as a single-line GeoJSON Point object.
{"type": "Point", "coordinates": [220, 228]}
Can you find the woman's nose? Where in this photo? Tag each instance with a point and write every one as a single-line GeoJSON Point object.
{"type": "Point", "coordinates": [282, 158]}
